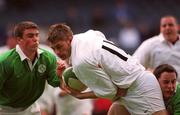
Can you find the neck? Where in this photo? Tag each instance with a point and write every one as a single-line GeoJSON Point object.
{"type": "Point", "coordinates": [177, 38]}
{"type": "Point", "coordinates": [30, 54]}
{"type": "Point", "coordinates": [173, 41]}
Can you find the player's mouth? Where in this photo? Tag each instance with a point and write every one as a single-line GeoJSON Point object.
{"type": "Point", "coordinates": [35, 46]}
{"type": "Point", "coordinates": [63, 57]}
{"type": "Point", "coordinates": [168, 32]}
{"type": "Point", "coordinates": [170, 93]}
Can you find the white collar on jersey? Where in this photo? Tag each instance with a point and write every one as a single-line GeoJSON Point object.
{"type": "Point", "coordinates": [161, 38]}
{"type": "Point", "coordinates": [23, 56]}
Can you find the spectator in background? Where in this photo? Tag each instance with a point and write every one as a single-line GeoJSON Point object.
{"type": "Point", "coordinates": [74, 18]}
{"type": "Point", "coordinates": [2, 36]}
{"type": "Point", "coordinates": [167, 75]}
{"type": "Point", "coordinates": [10, 40]}
{"type": "Point", "coordinates": [122, 13]}
{"type": "Point", "coordinates": [98, 20]}
{"type": "Point", "coordinates": [163, 48]}
{"type": "Point", "coordinates": [129, 37]}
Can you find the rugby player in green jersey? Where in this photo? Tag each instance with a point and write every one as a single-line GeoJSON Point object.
{"type": "Point", "coordinates": [24, 71]}
{"type": "Point", "coordinates": [167, 76]}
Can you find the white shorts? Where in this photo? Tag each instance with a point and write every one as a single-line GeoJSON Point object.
{"type": "Point", "coordinates": [144, 96]}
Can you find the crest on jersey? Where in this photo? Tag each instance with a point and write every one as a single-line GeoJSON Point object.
{"type": "Point", "coordinates": [41, 68]}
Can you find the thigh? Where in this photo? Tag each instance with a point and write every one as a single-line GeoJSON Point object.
{"type": "Point", "coordinates": [145, 95]}
{"type": "Point", "coordinates": [117, 109]}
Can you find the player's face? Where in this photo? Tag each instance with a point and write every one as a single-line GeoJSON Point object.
{"type": "Point", "coordinates": [62, 48]}
{"type": "Point", "coordinates": [167, 82]}
{"type": "Point", "coordinates": [30, 40]}
{"type": "Point", "coordinates": [169, 28]}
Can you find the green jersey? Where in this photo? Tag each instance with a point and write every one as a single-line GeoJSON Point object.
{"type": "Point", "coordinates": [22, 84]}
{"type": "Point", "coordinates": [174, 104]}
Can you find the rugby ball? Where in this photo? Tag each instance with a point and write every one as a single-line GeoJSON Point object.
{"type": "Point", "coordinates": [72, 81]}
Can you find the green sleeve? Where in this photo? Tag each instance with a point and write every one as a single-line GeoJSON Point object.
{"type": "Point", "coordinates": [53, 79]}
{"type": "Point", "coordinates": [176, 101]}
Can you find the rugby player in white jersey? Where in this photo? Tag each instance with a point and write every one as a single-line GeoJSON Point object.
{"type": "Point", "coordinates": [108, 71]}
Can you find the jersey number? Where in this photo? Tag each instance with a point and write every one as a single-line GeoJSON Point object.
{"type": "Point", "coordinates": [110, 49]}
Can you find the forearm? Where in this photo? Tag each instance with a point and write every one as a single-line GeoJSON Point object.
{"type": "Point", "coordinates": [86, 95]}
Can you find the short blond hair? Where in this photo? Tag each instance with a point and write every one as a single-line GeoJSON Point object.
{"type": "Point", "coordinates": [59, 32]}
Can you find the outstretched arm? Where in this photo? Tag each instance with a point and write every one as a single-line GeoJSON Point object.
{"type": "Point", "coordinates": [91, 94]}
{"type": "Point", "coordinates": [82, 95]}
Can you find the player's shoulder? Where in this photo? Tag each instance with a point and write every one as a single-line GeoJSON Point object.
{"type": "Point", "coordinates": [153, 41]}
{"type": "Point", "coordinates": [176, 97]}
{"type": "Point", "coordinates": [91, 34]}
{"type": "Point", "coordinates": [8, 55]}
{"type": "Point", "coordinates": [46, 48]}
{"type": "Point", "coordinates": [9, 58]}
{"type": "Point", "coordinates": [154, 38]}
{"type": "Point", "coordinates": [46, 53]}
{"type": "Point", "coordinates": [89, 37]}
{"type": "Point", "coordinates": [178, 89]}
{"type": "Point", "coordinates": [178, 86]}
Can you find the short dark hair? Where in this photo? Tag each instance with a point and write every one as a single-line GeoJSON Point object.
{"type": "Point", "coordinates": [22, 26]}
{"type": "Point", "coordinates": [164, 68]}
{"type": "Point", "coordinates": [170, 16]}
{"type": "Point", "coordinates": [59, 32]}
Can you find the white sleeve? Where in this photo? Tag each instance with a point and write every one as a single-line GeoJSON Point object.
{"type": "Point", "coordinates": [118, 65]}
{"type": "Point", "coordinates": [97, 80]}
{"type": "Point", "coordinates": [143, 53]}
{"type": "Point", "coordinates": [100, 34]}
{"type": "Point", "coordinates": [87, 69]}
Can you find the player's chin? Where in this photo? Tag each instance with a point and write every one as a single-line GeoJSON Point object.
{"type": "Point", "coordinates": [169, 95]}
{"type": "Point", "coordinates": [34, 49]}
{"type": "Point", "coordinates": [34, 46]}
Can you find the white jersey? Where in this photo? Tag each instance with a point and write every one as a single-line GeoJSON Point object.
{"type": "Point", "coordinates": [156, 51]}
{"type": "Point", "coordinates": [102, 66]}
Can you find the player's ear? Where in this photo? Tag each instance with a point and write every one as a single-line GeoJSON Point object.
{"type": "Point", "coordinates": [70, 38]}
{"type": "Point", "coordinates": [18, 39]}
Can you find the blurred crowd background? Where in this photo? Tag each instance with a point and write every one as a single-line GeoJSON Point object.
{"type": "Point", "coordinates": [126, 22]}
